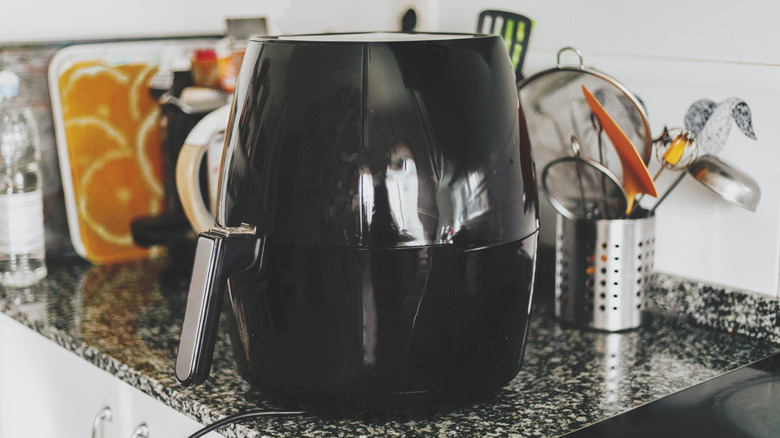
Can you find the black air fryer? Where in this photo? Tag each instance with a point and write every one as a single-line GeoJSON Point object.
{"type": "Point", "coordinates": [377, 223]}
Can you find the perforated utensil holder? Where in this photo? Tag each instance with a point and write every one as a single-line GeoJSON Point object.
{"type": "Point", "coordinates": [601, 271]}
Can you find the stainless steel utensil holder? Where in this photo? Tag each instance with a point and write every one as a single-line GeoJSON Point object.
{"type": "Point", "coordinates": [601, 271]}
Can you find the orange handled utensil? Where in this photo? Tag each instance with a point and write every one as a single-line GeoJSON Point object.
{"type": "Point", "coordinates": [636, 177]}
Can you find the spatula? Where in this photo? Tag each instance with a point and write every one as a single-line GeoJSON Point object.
{"type": "Point", "coordinates": [514, 28]}
{"type": "Point", "coordinates": [636, 178]}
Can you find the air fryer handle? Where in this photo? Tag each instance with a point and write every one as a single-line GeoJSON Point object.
{"type": "Point", "coordinates": [220, 252]}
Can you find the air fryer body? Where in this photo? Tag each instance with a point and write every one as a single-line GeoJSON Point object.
{"type": "Point", "coordinates": [394, 187]}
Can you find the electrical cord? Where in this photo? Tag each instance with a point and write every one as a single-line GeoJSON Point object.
{"type": "Point", "coordinates": [238, 417]}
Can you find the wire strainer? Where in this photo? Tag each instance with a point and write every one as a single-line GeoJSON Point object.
{"type": "Point", "coordinates": [580, 188]}
{"type": "Point", "coordinates": [556, 109]}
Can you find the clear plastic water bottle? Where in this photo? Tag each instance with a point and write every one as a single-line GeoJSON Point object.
{"type": "Point", "coordinates": [22, 244]}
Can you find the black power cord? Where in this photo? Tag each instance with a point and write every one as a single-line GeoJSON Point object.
{"type": "Point", "coordinates": [238, 417]}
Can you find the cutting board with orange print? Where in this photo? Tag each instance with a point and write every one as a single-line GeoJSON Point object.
{"type": "Point", "coordinates": [108, 141]}
{"type": "Point", "coordinates": [112, 130]}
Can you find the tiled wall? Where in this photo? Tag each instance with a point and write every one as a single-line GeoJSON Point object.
{"type": "Point", "coordinates": [672, 53]}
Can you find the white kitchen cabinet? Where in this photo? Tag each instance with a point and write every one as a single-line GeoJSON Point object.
{"type": "Point", "coordinates": [47, 391]}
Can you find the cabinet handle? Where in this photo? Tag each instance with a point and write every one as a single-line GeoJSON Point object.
{"type": "Point", "coordinates": [104, 414]}
{"type": "Point", "coordinates": [141, 431]}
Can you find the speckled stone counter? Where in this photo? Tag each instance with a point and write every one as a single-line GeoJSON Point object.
{"type": "Point", "coordinates": [717, 307]}
{"type": "Point", "coordinates": [121, 319]}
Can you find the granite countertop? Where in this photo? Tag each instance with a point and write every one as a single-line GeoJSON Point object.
{"type": "Point", "coordinates": [122, 319]}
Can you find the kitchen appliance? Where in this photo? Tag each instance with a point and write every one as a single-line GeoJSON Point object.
{"type": "Point", "coordinates": [376, 223]}
{"type": "Point", "coordinates": [555, 108]}
{"type": "Point", "coordinates": [602, 259]}
{"type": "Point", "coordinates": [744, 403]}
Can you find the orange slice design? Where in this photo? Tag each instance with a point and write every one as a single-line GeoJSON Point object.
{"type": "Point", "coordinates": [113, 137]}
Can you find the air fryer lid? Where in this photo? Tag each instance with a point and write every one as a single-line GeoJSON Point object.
{"type": "Point", "coordinates": [378, 141]}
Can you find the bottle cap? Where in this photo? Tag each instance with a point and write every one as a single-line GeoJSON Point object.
{"type": "Point", "coordinates": [9, 84]}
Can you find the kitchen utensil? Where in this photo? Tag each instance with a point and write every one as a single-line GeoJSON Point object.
{"type": "Point", "coordinates": [675, 153]}
{"type": "Point", "coordinates": [377, 224]}
{"type": "Point", "coordinates": [555, 109]}
{"type": "Point", "coordinates": [728, 182]}
{"type": "Point", "coordinates": [636, 178]}
{"type": "Point", "coordinates": [599, 140]}
{"type": "Point", "coordinates": [601, 271]}
{"type": "Point", "coordinates": [514, 28]}
{"type": "Point", "coordinates": [580, 188]}
{"type": "Point", "coordinates": [553, 103]}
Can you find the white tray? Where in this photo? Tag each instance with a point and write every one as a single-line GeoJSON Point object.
{"type": "Point", "coordinates": [153, 52]}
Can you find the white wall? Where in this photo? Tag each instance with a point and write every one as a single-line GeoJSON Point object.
{"type": "Point", "coordinates": [46, 20]}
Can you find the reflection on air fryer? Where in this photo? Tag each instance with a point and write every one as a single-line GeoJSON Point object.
{"type": "Point", "coordinates": [402, 188]}
{"type": "Point", "coordinates": [467, 198]}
